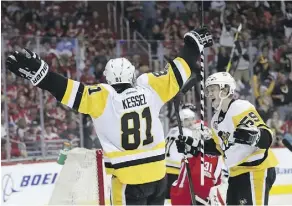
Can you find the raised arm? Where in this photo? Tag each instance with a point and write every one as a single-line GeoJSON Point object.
{"type": "Point", "coordinates": [28, 65]}
{"type": "Point", "coordinates": [167, 83]}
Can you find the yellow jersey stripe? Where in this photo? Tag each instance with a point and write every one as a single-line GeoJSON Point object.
{"type": "Point", "coordinates": [258, 183]}
{"type": "Point", "coordinates": [185, 66]}
{"type": "Point", "coordinates": [134, 152]}
{"type": "Point", "coordinates": [247, 115]}
{"type": "Point", "coordinates": [168, 84]}
{"type": "Point", "coordinates": [270, 161]}
{"type": "Point", "coordinates": [68, 91]}
{"type": "Point", "coordinates": [172, 170]}
{"type": "Point", "coordinates": [118, 192]}
{"type": "Point", "coordinates": [217, 142]}
{"type": "Point", "coordinates": [93, 100]}
{"type": "Point", "coordinates": [72, 99]}
{"type": "Point", "coordinates": [142, 173]}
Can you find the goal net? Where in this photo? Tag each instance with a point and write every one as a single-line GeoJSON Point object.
{"type": "Point", "coordinates": [81, 180]}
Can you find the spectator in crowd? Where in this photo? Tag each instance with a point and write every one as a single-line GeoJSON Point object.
{"type": "Point", "coordinates": [287, 127]}
{"type": "Point", "coordinates": [242, 66]}
{"type": "Point", "coordinates": [263, 77]}
{"type": "Point", "coordinates": [71, 132]}
{"type": "Point", "coordinates": [223, 59]}
{"type": "Point", "coordinates": [49, 134]}
{"type": "Point", "coordinates": [134, 14]}
{"type": "Point", "coordinates": [265, 103]}
{"type": "Point", "coordinates": [282, 94]}
{"type": "Point", "coordinates": [275, 123]}
{"type": "Point", "coordinates": [285, 59]}
{"type": "Point", "coordinates": [177, 6]}
{"type": "Point", "coordinates": [156, 36]}
{"type": "Point", "coordinates": [288, 135]}
{"type": "Point", "coordinates": [287, 22]}
{"type": "Point", "coordinates": [227, 33]}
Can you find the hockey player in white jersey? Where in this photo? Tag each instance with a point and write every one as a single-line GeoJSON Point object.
{"type": "Point", "coordinates": [173, 157]}
{"type": "Point", "coordinates": [177, 182]}
{"type": "Point", "coordinates": [125, 113]}
{"type": "Point", "coordinates": [243, 139]}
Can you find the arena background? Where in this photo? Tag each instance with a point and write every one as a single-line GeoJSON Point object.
{"type": "Point", "coordinates": [77, 38]}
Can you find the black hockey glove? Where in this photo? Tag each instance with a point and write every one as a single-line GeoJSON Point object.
{"type": "Point", "coordinates": [200, 37]}
{"type": "Point", "coordinates": [28, 65]}
{"type": "Point", "coordinates": [187, 145]}
{"type": "Point", "coordinates": [245, 134]}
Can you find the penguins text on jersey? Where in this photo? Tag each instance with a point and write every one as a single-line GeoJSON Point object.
{"type": "Point", "coordinates": [240, 158]}
{"type": "Point", "coordinates": [127, 123]}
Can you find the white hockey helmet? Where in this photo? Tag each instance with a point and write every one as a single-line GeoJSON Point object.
{"type": "Point", "coordinates": [222, 79]}
{"type": "Point", "coordinates": [119, 70]}
{"type": "Point", "coordinates": [187, 117]}
{"type": "Point", "coordinates": [207, 134]}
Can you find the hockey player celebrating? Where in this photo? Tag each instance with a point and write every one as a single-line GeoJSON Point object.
{"type": "Point", "coordinates": [216, 175]}
{"type": "Point", "coordinates": [134, 142]}
{"type": "Point", "coordinates": [244, 140]}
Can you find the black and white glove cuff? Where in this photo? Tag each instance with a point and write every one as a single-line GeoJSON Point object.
{"type": "Point", "coordinates": [34, 77]}
{"type": "Point", "coordinates": [40, 74]}
{"type": "Point", "coordinates": [195, 36]}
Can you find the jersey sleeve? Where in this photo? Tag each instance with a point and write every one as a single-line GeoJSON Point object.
{"type": "Point", "coordinates": [167, 83]}
{"type": "Point", "coordinates": [249, 116]}
{"type": "Point", "coordinates": [221, 171]}
{"type": "Point", "coordinates": [85, 99]}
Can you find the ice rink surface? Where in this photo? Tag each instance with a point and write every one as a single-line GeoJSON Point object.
{"type": "Point", "coordinates": [274, 200]}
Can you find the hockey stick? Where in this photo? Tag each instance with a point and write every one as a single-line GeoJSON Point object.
{"type": "Point", "coordinates": [176, 103]}
{"type": "Point", "coordinates": [233, 48]}
{"type": "Point", "coordinates": [202, 103]}
{"type": "Point", "coordinates": [287, 144]}
{"type": "Point", "coordinates": [202, 83]}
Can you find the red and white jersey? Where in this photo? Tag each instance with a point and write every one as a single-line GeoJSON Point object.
{"type": "Point", "coordinates": [180, 193]}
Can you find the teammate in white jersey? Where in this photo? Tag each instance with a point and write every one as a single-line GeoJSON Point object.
{"type": "Point", "coordinates": [173, 157]}
{"type": "Point", "coordinates": [243, 139]}
{"type": "Point", "coordinates": [125, 114]}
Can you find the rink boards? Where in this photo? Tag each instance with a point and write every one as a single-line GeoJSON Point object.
{"type": "Point", "coordinates": [33, 183]}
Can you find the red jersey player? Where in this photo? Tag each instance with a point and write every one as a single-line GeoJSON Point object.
{"type": "Point", "coordinates": [216, 176]}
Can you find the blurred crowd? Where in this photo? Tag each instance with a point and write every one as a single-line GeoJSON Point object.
{"type": "Point", "coordinates": [263, 57]}
{"type": "Point", "coordinates": [76, 40]}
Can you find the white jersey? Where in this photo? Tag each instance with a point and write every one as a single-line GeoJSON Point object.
{"type": "Point", "coordinates": [237, 156]}
{"type": "Point", "coordinates": [173, 158]}
{"type": "Point", "coordinates": [128, 123]}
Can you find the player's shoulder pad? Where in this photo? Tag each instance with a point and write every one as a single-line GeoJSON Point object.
{"type": "Point", "coordinates": [142, 80]}
{"type": "Point", "coordinates": [239, 106]}
{"type": "Point", "coordinates": [107, 87]}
